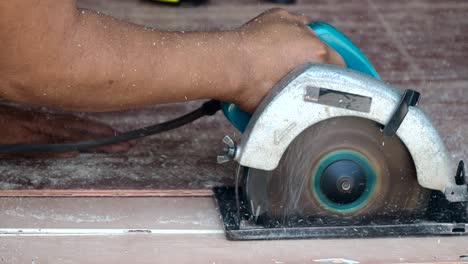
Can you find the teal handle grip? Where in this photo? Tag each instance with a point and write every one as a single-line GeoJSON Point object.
{"type": "Point", "coordinates": [351, 54]}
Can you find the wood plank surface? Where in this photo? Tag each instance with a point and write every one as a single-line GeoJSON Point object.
{"type": "Point", "coordinates": [107, 193]}
{"type": "Point", "coordinates": [183, 230]}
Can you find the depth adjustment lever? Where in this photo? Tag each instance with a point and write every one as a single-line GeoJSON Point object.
{"type": "Point", "coordinates": [460, 177]}
{"type": "Point", "coordinates": [409, 98]}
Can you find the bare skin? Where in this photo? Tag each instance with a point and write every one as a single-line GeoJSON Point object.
{"type": "Point", "coordinates": [53, 54]}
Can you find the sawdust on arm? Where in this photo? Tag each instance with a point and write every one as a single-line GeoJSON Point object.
{"type": "Point", "coordinates": [57, 55]}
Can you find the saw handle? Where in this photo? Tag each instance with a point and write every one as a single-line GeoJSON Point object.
{"type": "Point", "coordinates": [351, 54]}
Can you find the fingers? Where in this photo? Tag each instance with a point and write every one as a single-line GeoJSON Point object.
{"type": "Point", "coordinates": [323, 53]}
{"type": "Point", "coordinates": [279, 13]}
{"type": "Point", "coordinates": [335, 58]}
{"type": "Point", "coordinates": [300, 18]}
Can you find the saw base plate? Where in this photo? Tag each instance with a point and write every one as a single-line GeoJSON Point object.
{"type": "Point", "coordinates": [246, 229]}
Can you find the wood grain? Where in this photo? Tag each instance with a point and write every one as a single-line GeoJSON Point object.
{"type": "Point", "coordinates": [182, 214]}
{"type": "Point", "coordinates": [107, 193]}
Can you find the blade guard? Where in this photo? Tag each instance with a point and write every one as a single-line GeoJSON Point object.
{"type": "Point", "coordinates": [283, 114]}
{"type": "Point", "coordinates": [288, 110]}
{"type": "Point", "coordinates": [352, 56]}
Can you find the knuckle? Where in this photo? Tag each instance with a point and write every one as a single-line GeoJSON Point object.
{"type": "Point", "coordinates": [322, 53]}
{"type": "Point", "coordinates": [278, 11]}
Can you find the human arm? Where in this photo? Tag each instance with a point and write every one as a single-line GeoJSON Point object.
{"type": "Point", "coordinates": [54, 54]}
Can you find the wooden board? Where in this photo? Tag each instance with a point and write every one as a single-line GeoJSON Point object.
{"type": "Point", "coordinates": [177, 230]}
{"type": "Point", "coordinates": [107, 193]}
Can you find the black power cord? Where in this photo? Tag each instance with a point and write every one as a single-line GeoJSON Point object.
{"type": "Point", "coordinates": [208, 108]}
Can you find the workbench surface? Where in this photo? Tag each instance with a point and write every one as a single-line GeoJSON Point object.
{"type": "Point", "coordinates": [183, 230]}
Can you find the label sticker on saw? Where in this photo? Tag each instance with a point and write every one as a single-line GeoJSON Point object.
{"type": "Point", "coordinates": [338, 99]}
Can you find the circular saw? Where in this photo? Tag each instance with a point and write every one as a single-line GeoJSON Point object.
{"type": "Point", "coordinates": [332, 146]}
{"type": "Point", "coordinates": [340, 168]}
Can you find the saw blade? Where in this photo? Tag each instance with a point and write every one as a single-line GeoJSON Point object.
{"type": "Point", "coordinates": [343, 167]}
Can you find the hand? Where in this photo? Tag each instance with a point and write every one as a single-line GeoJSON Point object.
{"type": "Point", "coordinates": [26, 127]}
{"type": "Point", "coordinates": [275, 43]}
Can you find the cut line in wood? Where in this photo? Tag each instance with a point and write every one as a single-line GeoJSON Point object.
{"type": "Point", "coordinates": [4, 232]}
{"type": "Point", "coordinates": [107, 193]}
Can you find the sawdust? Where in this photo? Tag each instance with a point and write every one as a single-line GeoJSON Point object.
{"type": "Point", "coordinates": [182, 159]}
{"type": "Point", "coordinates": [69, 218]}
{"type": "Point", "coordinates": [199, 219]}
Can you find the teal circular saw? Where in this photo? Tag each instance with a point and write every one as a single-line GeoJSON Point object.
{"type": "Point", "coordinates": [339, 144]}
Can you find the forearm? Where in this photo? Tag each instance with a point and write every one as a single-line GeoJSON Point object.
{"type": "Point", "coordinates": [134, 66]}
{"type": "Point", "coordinates": [55, 55]}
{"type": "Point", "coordinates": [102, 64]}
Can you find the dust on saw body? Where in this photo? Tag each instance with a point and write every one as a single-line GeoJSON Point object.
{"type": "Point", "coordinates": [340, 169]}
{"type": "Point", "coordinates": [330, 146]}
{"type": "Point", "coordinates": [324, 156]}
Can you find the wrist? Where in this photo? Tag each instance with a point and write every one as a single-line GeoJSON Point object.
{"type": "Point", "coordinates": [236, 67]}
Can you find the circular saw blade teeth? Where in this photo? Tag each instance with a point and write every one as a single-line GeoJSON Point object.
{"type": "Point", "coordinates": [391, 187]}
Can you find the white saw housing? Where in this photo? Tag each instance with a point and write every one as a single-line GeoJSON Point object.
{"type": "Point", "coordinates": [292, 106]}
